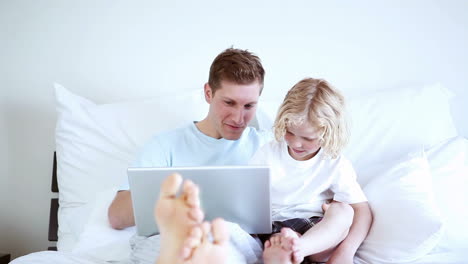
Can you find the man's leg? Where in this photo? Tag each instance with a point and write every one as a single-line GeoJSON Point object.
{"type": "Point", "coordinates": [179, 221]}
{"type": "Point", "coordinates": [211, 251]}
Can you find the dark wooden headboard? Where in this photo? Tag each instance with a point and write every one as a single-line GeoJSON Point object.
{"type": "Point", "coordinates": [54, 205]}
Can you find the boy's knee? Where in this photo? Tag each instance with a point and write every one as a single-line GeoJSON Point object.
{"type": "Point", "coordinates": [346, 212]}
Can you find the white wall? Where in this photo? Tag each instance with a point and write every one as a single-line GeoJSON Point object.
{"type": "Point", "coordinates": [4, 183]}
{"type": "Point", "coordinates": [116, 50]}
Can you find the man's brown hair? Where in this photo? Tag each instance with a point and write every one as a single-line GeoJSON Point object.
{"type": "Point", "coordinates": [238, 66]}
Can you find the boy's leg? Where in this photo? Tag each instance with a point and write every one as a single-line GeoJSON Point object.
{"type": "Point", "coordinates": [179, 220]}
{"type": "Point", "coordinates": [319, 241]}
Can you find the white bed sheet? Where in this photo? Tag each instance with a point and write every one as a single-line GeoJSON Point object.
{"type": "Point", "coordinates": [444, 159]}
{"type": "Point", "coordinates": [47, 257]}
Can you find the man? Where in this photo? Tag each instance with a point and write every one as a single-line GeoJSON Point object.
{"type": "Point", "coordinates": [221, 138]}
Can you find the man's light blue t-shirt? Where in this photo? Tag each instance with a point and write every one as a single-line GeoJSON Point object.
{"type": "Point", "coordinates": [188, 146]}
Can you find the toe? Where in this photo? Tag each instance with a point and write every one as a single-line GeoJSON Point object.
{"type": "Point", "coordinates": [273, 241]}
{"type": "Point", "coordinates": [295, 243]}
{"type": "Point", "coordinates": [186, 253]}
{"type": "Point", "coordinates": [196, 232]}
{"type": "Point", "coordinates": [170, 186]}
{"type": "Point", "coordinates": [219, 231]}
{"type": "Point", "coordinates": [206, 226]}
{"type": "Point", "coordinates": [286, 243]}
{"type": "Point", "coordinates": [288, 232]}
{"type": "Point", "coordinates": [277, 240]}
{"type": "Point", "coordinates": [192, 241]}
{"type": "Point", "coordinates": [191, 194]}
{"type": "Point", "coordinates": [285, 231]}
{"type": "Point", "coordinates": [196, 214]}
{"type": "Point", "coordinates": [296, 258]}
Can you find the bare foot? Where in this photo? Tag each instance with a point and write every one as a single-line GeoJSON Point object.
{"type": "Point", "coordinates": [192, 241]}
{"type": "Point", "coordinates": [176, 218]}
{"type": "Point", "coordinates": [184, 239]}
{"type": "Point", "coordinates": [291, 242]}
{"type": "Point", "coordinates": [211, 251]}
{"type": "Point", "coordinates": [274, 253]}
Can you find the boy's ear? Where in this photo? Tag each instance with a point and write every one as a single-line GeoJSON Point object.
{"type": "Point", "coordinates": [208, 93]}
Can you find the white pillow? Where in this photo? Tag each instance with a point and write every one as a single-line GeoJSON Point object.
{"type": "Point", "coordinates": [95, 144]}
{"type": "Point", "coordinates": [387, 124]}
{"type": "Point", "coordinates": [98, 239]}
{"type": "Point", "coordinates": [449, 167]}
{"type": "Point", "coordinates": [407, 224]}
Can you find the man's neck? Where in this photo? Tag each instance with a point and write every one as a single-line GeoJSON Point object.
{"type": "Point", "coordinates": [207, 128]}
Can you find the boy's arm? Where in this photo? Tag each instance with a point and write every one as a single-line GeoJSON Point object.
{"type": "Point", "coordinates": [362, 222]}
{"type": "Point", "coordinates": [120, 211]}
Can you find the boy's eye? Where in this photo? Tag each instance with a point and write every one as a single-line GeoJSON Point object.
{"type": "Point", "coordinates": [248, 106]}
{"type": "Point", "coordinates": [229, 102]}
{"type": "Point", "coordinates": [289, 133]}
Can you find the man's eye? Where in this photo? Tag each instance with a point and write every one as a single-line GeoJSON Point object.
{"type": "Point", "coordinates": [229, 102]}
{"type": "Point", "coordinates": [248, 106]}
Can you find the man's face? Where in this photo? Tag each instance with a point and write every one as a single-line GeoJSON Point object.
{"type": "Point", "coordinates": [232, 107]}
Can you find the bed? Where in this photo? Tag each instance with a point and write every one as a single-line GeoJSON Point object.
{"type": "Point", "coordinates": [410, 161]}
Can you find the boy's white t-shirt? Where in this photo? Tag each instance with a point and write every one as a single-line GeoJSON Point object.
{"type": "Point", "coordinates": [299, 188]}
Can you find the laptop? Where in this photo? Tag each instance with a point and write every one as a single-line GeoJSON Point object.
{"type": "Point", "coordinates": [239, 194]}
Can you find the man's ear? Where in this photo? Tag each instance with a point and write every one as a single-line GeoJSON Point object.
{"type": "Point", "coordinates": [208, 93]}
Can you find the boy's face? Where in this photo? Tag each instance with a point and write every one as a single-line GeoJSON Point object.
{"type": "Point", "coordinates": [232, 107]}
{"type": "Point", "coordinates": [303, 141]}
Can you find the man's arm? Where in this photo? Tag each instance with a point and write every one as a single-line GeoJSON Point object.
{"type": "Point", "coordinates": [120, 211]}
{"type": "Point", "coordinates": [362, 222]}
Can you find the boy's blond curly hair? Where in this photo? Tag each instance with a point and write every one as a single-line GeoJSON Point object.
{"type": "Point", "coordinates": [317, 102]}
